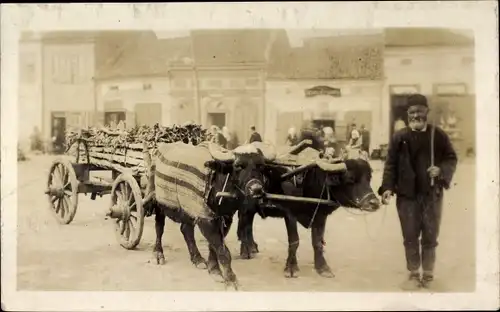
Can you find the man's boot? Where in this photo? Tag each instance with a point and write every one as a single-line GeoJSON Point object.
{"type": "Point", "coordinates": [427, 279]}
{"type": "Point", "coordinates": [428, 260]}
{"type": "Point", "coordinates": [413, 282]}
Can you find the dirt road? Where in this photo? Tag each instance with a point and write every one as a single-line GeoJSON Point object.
{"type": "Point", "coordinates": [365, 252]}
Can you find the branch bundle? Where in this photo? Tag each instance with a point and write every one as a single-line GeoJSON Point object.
{"type": "Point", "coordinates": [123, 149]}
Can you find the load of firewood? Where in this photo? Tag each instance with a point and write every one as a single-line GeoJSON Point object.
{"type": "Point", "coordinates": [123, 149]}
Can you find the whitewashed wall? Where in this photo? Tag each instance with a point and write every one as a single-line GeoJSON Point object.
{"type": "Point", "coordinates": [29, 90]}
{"type": "Point", "coordinates": [64, 94]}
{"type": "Point", "coordinates": [132, 91]}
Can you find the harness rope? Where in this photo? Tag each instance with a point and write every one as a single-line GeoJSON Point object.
{"type": "Point", "coordinates": [348, 210]}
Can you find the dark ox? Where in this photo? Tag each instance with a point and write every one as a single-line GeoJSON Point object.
{"type": "Point", "coordinates": [238, 172]}
{"type": "Point", "coordinates": [348, 188]}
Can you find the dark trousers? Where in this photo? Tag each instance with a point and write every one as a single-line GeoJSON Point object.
{"type": "Point", "coordinates": [420, 217]}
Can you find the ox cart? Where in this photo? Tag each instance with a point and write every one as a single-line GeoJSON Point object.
{"type": "Point", "coordinates": [129, 184]}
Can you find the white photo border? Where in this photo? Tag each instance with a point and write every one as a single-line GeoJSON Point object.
{"type": "Point", "coordinates": [481, 16]}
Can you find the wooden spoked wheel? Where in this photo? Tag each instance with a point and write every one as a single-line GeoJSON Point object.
{"type": "Point", "coordinates": [127, 209]}
{"type": "Point", "coordinates": [62, 191]}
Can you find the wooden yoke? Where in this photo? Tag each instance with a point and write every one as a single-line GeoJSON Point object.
{"type": "Point", "coordinates": [296, 149]}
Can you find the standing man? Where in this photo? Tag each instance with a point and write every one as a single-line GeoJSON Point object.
{"type": "Point", "coordinates": [418, 184]}
{"type": "Point", "coordinates": [365, 142]}
{"type": "Point", "coordinates": [255, 136]}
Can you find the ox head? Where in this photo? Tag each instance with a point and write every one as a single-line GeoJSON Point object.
{"type": "Point", "coordinates": [349, 183]}
{"type": "Point", "coordinates": [246, 166]}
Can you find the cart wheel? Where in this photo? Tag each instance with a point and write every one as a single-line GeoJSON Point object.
{"type": "Point", "coordinates": [62, 191]}
{"type": "Point", "coordinates": [126, 208]}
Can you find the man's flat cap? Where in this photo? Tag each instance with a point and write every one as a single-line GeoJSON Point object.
{"type": "Point", "coordinates": [417, 99]}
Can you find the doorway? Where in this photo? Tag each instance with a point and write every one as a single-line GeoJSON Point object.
{"type": "Point", "coordinates": [216, 119]}
{"type": "Point", "coordinates": [58, 132]}
{"type": "Point", "coordinates": [398, 110]}
{"type": "Point", "coordinates": [114, 117]}
{"type": "Point", "coordinates": [321, 123]}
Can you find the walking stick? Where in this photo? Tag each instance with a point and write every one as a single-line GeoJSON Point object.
{"type": "Point", "coordinates": [433, 130]}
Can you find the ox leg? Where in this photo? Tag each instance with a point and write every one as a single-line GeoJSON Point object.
{"type": "Point", "coordinates": [214, 233]}
{"type": "Point", "coordinates": [291, 266]}
{"type": "Point", "coordinates": [187, 230]}
{"type": "Point", "coordinates": [245, 234]}
{"type": "Point", "coordinates": [317, 235]}
{"type": "Point", "coordinates": [159, 227]}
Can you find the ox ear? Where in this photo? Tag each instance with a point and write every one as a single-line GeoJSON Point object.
{"type": "Point", "coordinates": [219, 166]}
{"type": "Point", "coordinates": [211, 164]}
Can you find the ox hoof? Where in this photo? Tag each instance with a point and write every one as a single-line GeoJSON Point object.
{"type": "Point", "coordinates": [200, 264]}
{"type": "Point", "coordinates": [217, 276]}
{"type": "Point", "coordinates": [234, 286]}
{"type": "Point", "coordinates": [327, 273]}
{"type": "Point", "coordinates": [291, 271]}
{"type": "Point", "coordinates": [160, 258]}
{"type": "Point", "coordinates": [255, 248]}
{"type": "Point", "coordinates": [246, 252]}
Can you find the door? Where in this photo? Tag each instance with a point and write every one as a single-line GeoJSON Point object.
{"type": "Point", "coordinates": [58, 132]}
{"type": "Point", "coordinates": [216, 119]}
{"type": "Point", "coordinates": [114, 118]}
{"type": "Point", "coordinates": [148, 114]}
{"type": "Point", "coordinates": [398, 110]}
{"type": "Point", "coordinates": [322, 123]}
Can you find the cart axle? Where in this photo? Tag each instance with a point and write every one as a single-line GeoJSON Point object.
{"type": "Point", "coordinates": [55, 191]}
{"type": "Point", "coordinates": [116, 212]}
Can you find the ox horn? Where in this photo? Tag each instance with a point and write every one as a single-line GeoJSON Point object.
{"type": "Point", "coordinates": [220, 153]}
{"type": "Point", "coordinates": [267, 150]}
{"type": "Point", "coordinates": [325, 166]}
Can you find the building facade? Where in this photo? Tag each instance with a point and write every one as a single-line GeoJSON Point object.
{"type": "Point", "coordinates": [68, 87]}
{"type": "Point", "coordinates": [243, 78]}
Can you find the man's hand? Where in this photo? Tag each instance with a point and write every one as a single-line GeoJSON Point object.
{"type": "Point", "coordinates": [434, 171]}
{"type": "Point", "coordinates": [386, 197]}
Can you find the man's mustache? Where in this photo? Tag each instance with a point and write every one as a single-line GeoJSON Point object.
{"type": "Point", "coordinates": [417, 119]}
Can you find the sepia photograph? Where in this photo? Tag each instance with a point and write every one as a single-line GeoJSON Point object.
{"type": "Point", "coordinates": [233, 159]}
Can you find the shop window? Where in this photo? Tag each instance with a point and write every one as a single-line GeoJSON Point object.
{"type": "Point", "coordinates": [214, 83]}
{"type": "Point", "coordinates": [237, 83]}
{"type": "Point", "coordinates": [252, 82]}
{"type": "Point", "coordinates": [450, 89]}
{"type": "Point", "coordinates": [180, 83]}
{"type": "Point", "coordinates": [68, 69]}
{"type": "Point", "coordinates": [356, 90]}
{"type": "Point", "coordinates": [406, 61]}
{"type": "Point", "coordinates": [468, 60]}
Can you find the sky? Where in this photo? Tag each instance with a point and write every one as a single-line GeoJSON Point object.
{"type": "Point", "coordinates": [296, 36]}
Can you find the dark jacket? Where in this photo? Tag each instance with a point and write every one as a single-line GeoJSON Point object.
{"type": "Point", "coordinates": [255, 137]}
{"type": "Point", "coordinates": [365, 140]}
{"type": "Point", "coordinates": [405, 170]}
{"type": "Point", "coordinates": [310, 134]}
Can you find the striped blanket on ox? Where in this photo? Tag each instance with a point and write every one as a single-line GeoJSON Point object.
{"type": "Point", "coordinates": [181, 179]}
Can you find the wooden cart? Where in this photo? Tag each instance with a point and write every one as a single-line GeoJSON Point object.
{"type": "Point", "coordinates": [129, 186]}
